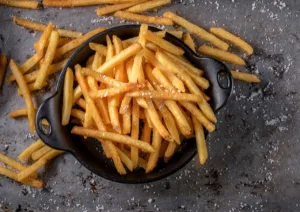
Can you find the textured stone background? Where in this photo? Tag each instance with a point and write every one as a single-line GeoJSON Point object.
{"type": "Point", "coordinates": [254, 155]}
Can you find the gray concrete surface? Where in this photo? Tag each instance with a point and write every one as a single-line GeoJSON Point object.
{"type": "Point", "coordinates": [254, 155]}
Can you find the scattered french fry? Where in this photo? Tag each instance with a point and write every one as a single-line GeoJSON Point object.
{"type": "Point", "coordinates": [197, 30]}
{"type": "Point", "coordinates": [148, 5]}
{"type": "Point", "coordinates": [3, 64]}
{"type": "Point", "coordinates": [222, 33]}
{"type": "Point", "coordinates": [116, 7]}
{"type": "Point", "coordinates": [81, 3]}
{"type": "Point", "coordinates": [245, 76]}
{"type": "Point", "coordinates": [18, 113]}
{"type": "Point", "coordinates": [25, 155]}
{"type": "Point", "coordinates": [143, 18]}
{"type": "Point", "coordinates": [43, 42]}
{"type": "Point", "coordinates": [221, 55]}
{"type": "Point", "coordinates": [20, 4]}
{"type": "Point", "coordinates": [41, 27]}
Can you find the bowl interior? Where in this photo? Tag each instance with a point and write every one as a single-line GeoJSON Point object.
{"type": "Point", "coordinates": [89, 151]}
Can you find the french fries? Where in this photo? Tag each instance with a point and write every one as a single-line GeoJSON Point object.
{"type": "Point", "coordinates": [148, 5]}
{"type": "Point", "coordinates": [222, 33]}
{"type": "Point", "coordinates": [221, 55]}
{"type": "Point", "coordinates": [116, 7]}
{"type": "Point", "coordinates": [26, 94]}
{"type": "Point", "coordinates": [20, 4]}
{"type": "Point", "coordinates": [143, 18]}
{"type": "Point", "coordinates": [67, 97]}
{"type": "Point", "coordinates": [245, 76]}
{"type": "Point", "coordinates": [3, 64]}
{"type": "Point", "coordinates": [197, 30]}
{"type": "Point", "coordinates": [200, 140]}
{"type": "Point", "coordinates": [41, 27]}
{"type": "Point", "coordinates": [188, 40]}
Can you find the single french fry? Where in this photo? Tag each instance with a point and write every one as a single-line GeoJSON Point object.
{"type": "Point", "coordinates": [79, 114]}
{"type": "Point", "coordinates": [89, 62]}
{"type": "Point", "coordinates": [25, 155]}
{"type": "Point", "coordinates": [98, 60]}
{"type": "Point", "coordinates": [41, 152]}
{"type": "Point", "coordinates": [188, 118]}
{"type": "Point", "coordinates": [41, 27]}
{"type": "Point", "coordinates": [43, 42]}
{"type": "Point", "coordinates": [80, 3]}
{"type": "Point", "coordinates": [110, 136]}
{"type": "Point", "coordinates": [244, 76]}
{"type": "Point", "coordinates": [148, 5]}
{"type": "Point", "coordinates": [166, 96]}
{"type": "Point", "coordinates": [224, 34]}
{"type": "Point", "coordinates": [177, 33]}
{"type": "Point", "coordinates": [170, 150]}
{"type": "Point", "coordinates": [31, 77]}
{"type": "Point", "coordinates": [38, 164]}
{"type": "Point", "coordinates": [199, 115]}
{"type": "Point", "coordinates": [98, 48]}
{"type": "Point", "coordinates": [147, 117]}
{"type": "Point", "coordinates": [125, 104]}
{"type": "Point", "coordinates": [81, 103]}
{"type": "Point", "coordinates": [28, 181]}
{"type": "Point", "coordinates": [188, 40]}
{"type": "Point", "coordinates": [163, 148]}
{"type": "Point", "coordinates": [126, 117]}
{"type": "Point", "coordinates": [3, 64]}
{"type": "Point", "coordinates": [47, 60]}
{"type": "Point", "coordinates": [221, 55]}
{"type": "Point", "coordinates": [136, 68]}
{"type": "Point", "coordinates": [143, 18]}
{"type": "Point", "coordinates": [200, 140]}
{"type": "Point", "coordinates": [76, 42]}
{"type": "Point", "coordinates": [18, 113]}
{"type": "Point", "coordinates": [26, 94]}
{"type": "Point", "coordinates": [32, 61]}
{"type": "Point", "coordinates": [156, 143]}
{"type": "Point", "coordinates": [134, 152]}
{"type": "Point", "coordinates": [162, 79]}
{"type": "Point", "coordinates": [146, 134]}
{"type": "Point", "coordinates": [88, 117]}
{"type": "Point", "coordinates": [102, 107]}
{"type": "Point", "coordinates": [119, 58]}
{"type": "Point", "coordinates": [116, 7]}
{"type": "Point", "coordinates": [125, 159]}
{"type": "Point", "coordinates": [175, 81]}
{"type": "Point", "coordinates": [20, 4]}
{"type": "Point", "coordinates": [14, 164]}
{"type": "Point", "coordinates": [67, 97]}
{"type": "Point", "coordinates": [143, 30]}
{"type": "Point", "coordinates": [164, 44]}
{"type": "Point", "coordinates": [197, 30]}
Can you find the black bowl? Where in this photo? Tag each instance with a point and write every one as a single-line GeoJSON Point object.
{"type": "Point", "coordinates": [88, 152]}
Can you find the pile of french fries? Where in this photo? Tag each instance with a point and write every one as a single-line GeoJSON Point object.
{"type": "Point", "coordinates": [139, 97]}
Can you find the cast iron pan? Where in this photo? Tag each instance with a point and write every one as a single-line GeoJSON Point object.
{"type": "Point", "coordinates": [88, 152]}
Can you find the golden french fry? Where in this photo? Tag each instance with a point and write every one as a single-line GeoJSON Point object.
{"type": "Point", "coordinates": [199, 115]}
{"type": "Point", "coordinates": [143, 18]}
{"type": "Point", "coordinates": [222, 33]}
{"type": "Point", "coordinates": [79, 114]}
{"type": "Point", "coordinates": [76, 42]}
{"type": "Point", "coordinates": [26, 94]}
{"type": "Point", "coordinates": [41, 27]}
{"type": "Point", "coordinates": [221, 55]}
{"type": "Point", "coordinates": [188, 40]}
{"type": "Point", "coordinates": [31, 87]}
{"type": "Point", "coordinates": [81, 103]}
{"type": "Point", "coordinates": [22, 175]}
{"type": "Point", "coordinates": [98, 48]}
{"type": "Point", "coordinates": [177, 33]}
{"type": "Point", "coordinates": [102, 107]}
{"type": "Point", "coordinates": [47, 60]}
{"type": "Point", "coordinates": [105, 136]}
{"type": "Point", "coordinates": [3, 64]}
{"type": "Point", "coordinates": [67, 97]}
{"type": "Point", "coordinates": [200, 139]}
{"type": "Point", "coordinates": [43, 42]}
{"type": "Point", "coordinates": [166, 96]}
{"type": "Point", "coordinates": [32, 61]}
{"type": "Point", "coordinates": [125, 159]}
{"type": "Point", "coordinates": [125, 104]}
{"type": "Point", "coordinates": [162, 79]}
{"type": "Point", "coordinates": [25, 155]}
{"type": "Point", "coordinates": [126, 117]}
{"type": "Point", "coordinates": [20, 4]}
{"type": "Point", "coordinates": [31, 77]}
{"type": "Point", "coordinates": [89, 62]}
{"type": "Point", "coordinates": [134, 152]}
{"type": "Point", "coordinates": [116, 7]}
{"type": "Point", "coordinates": [136, 68]}
{"type": "Point", "coordinates": [77, 93]}
{"type": "Point", "coordinates": [119, 58]}
{"type": "Point", "coordinates": [41, 152]}
{"type": "Point", "coordinates": [200, 81]}
{"type": "Point", "coordinates": [18, 113]}
{"type": "Point", "coordinates": [170, 150]}
{"type": "Point", "coordinates": [244, 76]}
{"type": "Point", "coordinates": [110, 51]}
{"type": "Point", "coordinates": [88, 117]}
{"type": "Point", "coordinates": [143, 30]}
{"type": "Point", "coordinates": [197, 30]}
{"type": "Point", "coordinates": [14, 164]}
{"type": "Point", "coordinates": [156, 143]}
{"type": "Point", "coordinates": [11, 174]}
{"type": "Point", "coordinates": [175, 81]}
{"type": "Point", "coordinates": [148, 5]}
{"type": "Point", "coordinates": [63, 41]}
{"type": "Point", "coordinates": [164, 44]}
{"type": "Point", "coordinates": [80, 3]}
{"type": "Point", "coordinates": [188, 118]}
{"type": "Point", "coordinates": [147, 117]}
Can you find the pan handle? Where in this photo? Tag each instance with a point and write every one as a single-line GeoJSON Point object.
{"type": "Point", "coordinates": [54, 134]}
